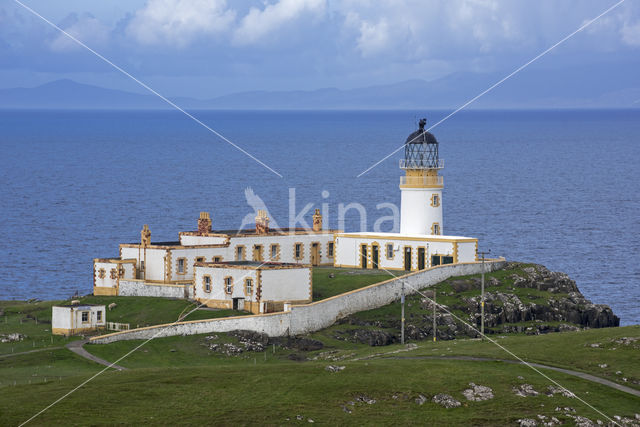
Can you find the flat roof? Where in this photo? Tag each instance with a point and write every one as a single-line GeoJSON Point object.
{"type": "Point", "coordinates": [253, 264]}
{"type": "Point", "coordinates": [400, 236]}
{"type": "Point", "coordinates": [82, 306]}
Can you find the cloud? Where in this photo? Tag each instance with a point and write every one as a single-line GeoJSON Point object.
{"type": "Point", "coordinates": [179, 22]}
{"type": "Point", "coordinates": [258, 24]}
{"type": "Point", "coordinates": [85, 28]}
{"type": "Point", "coordinates": [631, 34]}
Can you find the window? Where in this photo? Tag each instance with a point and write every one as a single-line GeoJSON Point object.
{"type": "Point", "coordinates": [390, 251]}
{"type": "Point", "coordinates": [330, 249]}
{"type": "Point", "coordinates": [447, 260]}
{"type": "Point", "coordinates": [435, 200]}
{"type": "Point", "coordinates": [275, 252]}
{"type": "Point", "coordinates": [248, 286]}
{"type": "Point", "coordinates": [102, 273]}
{"type": "Point", "coordinates": [435, 228]}
{"type": "Point", "coordinates": [121, 271]}
{"type": "Point", "coordinates": [228, 285]}
{"type": "Point", "coordinates": [85, 316]}
{"type": "Point", "coordinates": [239, 253]}
{"type": "Point", "coordinates": [182, 265]}
{"type": "Point", "coordinates": [217, 259]}
{"type": "Point", "coordinates": [113, 273]}
{"type": "Point", "coordinates": [99, 315]}
{"type": "Point", "coordinates": [206, 283]}
{"type": "Point", "coordinates": [141, 265]}
{"type": "Point", "coordinates": [297, 251]}
{"type": "Point", "coordinates": [200, 259]}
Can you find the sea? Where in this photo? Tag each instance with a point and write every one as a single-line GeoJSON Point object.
{"type": "Point", "coordinates": [554, 187]}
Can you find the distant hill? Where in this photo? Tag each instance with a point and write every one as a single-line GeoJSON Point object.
{"type": "Point", "coordinates": [567, 88]}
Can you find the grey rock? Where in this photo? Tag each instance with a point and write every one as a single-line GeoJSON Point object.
{"type": "Point", "coordinates": [420, 400]}
{"type": "Point", "coordinates": [445, 400]}
{"type": "Point", "coordinates": [525, 390]}
{"type": "Point", "coordinates": [478, 393]}
{"type": "Point", "coordinates": [334, 368]}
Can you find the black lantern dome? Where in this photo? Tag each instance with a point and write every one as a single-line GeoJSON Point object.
{"type": "Point", "coordinates": [421, 150]}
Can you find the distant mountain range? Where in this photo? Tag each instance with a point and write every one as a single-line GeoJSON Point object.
{"type": "Point", "coordinates": [568, 88]}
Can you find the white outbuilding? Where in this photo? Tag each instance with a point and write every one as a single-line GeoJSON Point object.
{"type": "Point", "coordinates": [258, 287]}
{"type": "Point", "coordinates": [74, 319]}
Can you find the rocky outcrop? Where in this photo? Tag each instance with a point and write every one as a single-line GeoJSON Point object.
{"type": "Point", "coordinates": [564, 304]}
{"type": "Point", "coordinates": [553, 304]}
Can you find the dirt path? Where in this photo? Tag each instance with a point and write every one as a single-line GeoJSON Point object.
{"type": "Point", "coordinates": [77, 348]}
{"type": "Point", "coordinates": [582, 375]}
{"type": "Point", "coordinates": [29, 352]}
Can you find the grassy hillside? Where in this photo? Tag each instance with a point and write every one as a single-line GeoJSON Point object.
{"type": "Point", "coordinates": [241, 378]}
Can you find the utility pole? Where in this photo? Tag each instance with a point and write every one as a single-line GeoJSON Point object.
{"type": "Point", "coordinates": [402, 315]}
{"type": "Point", "coordinates": [482, 296]}
{"type": "Point", "coordinates": [434, 314]}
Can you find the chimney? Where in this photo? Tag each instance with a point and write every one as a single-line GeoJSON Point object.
{"type": "Point", "coordinates": [317, 221]}
{"type": "Point", "coordinates": [262, 222]}
{"type": "Point", "coordinates": [204, 223]}
{"type": "Point", "coordinates": [145, 236]}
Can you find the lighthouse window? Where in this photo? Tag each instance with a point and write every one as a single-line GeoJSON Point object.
{"type": "Point", "coordinates": [435, 228]}
{"type": "Point", "coordinates": [435, 200]}
{"type": "Point", "coordinates": [390, 251]}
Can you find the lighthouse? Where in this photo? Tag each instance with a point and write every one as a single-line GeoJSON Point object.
{"type": "Point", "coordinates": [421, 186]}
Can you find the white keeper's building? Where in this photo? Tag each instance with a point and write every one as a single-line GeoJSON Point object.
{"type": "Point", "coordinates": [213, 266]}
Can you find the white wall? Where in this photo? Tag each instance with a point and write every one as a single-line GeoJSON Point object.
{"type": "Point", "coordinates": [416, 213]}
{"type": "Point", "coordinates": [307, 318]}
{"type": "Point", "coordinates": [71, 317]}
{"type": "Point", "coordinates": [138, 288]}
{"type": "Point", "coordinates": [188, 240]}
{"type": "Point", "coordinates": [291, 284]}
{"type": "Point", "coordinates": [217, 283]}
{"type": "Point", "coordinates": [348, 249]}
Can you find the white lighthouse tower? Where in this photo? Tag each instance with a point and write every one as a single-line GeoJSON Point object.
{"type": "Point", "coordinates": [421, 187]}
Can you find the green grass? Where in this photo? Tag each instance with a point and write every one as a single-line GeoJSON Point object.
{"type": "Point", "coordinates": [344, 280]}
{"type": "Point", "coordinates": [275, 393]}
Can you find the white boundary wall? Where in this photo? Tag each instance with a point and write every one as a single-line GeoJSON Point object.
{"type": "Point", "coordinates": [140, 288]}
{"type": "Point", "coordinates": [302, 319]}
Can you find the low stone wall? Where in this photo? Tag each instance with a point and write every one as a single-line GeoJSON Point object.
{"type": "Point", "coordinates": [139, 288]}
{"type": "Point", "coordinates": [302, 319]}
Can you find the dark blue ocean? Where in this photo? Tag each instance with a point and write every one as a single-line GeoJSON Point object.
{"type": "Point", "coordinates": [559, 188]}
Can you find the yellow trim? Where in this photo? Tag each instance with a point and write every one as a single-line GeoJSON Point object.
{"type": "Point", "coordinates": [404, 256]}
{"type": "Point", "coordinates": [425, 262]}
{"type": "Point", "coordinates": [455, 252]}
{"type": "Point", "coordinates": [105, 291]}
{"type": "Point", "coordinates": [426, 238]}
{"type": "Point", "coordinates": [435, 229]}
{"type": "Point", "coordinates": [301, 256]}
{"type": "Point", "coordinates": [319, 247]}
{"type": "Point", "coordinates": [371, 245]}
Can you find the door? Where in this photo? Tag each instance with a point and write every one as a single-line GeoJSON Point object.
{"type": "Point", "coordinates": [257, 252]}
{"type": "Point", "coordinates": [374, 256]}
{"type": "Point", "coordinates": [407, 258]}
{"type": "Point", "coordinates": [315, 253]}
{"type": "Point", "coordinates": [363, 258]}
{"type": "Point", "coordinates": [420, 258]}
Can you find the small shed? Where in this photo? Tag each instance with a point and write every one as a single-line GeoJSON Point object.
{"type": "Point", "coordinates": [74, 319]}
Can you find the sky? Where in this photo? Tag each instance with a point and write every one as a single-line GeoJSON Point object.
{"type": "Point", "coordinates": [208, 48]}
